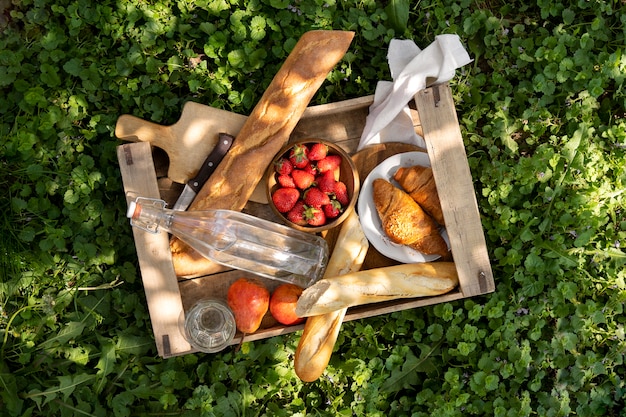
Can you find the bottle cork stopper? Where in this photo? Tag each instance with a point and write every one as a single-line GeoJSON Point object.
{"type": "Point", "coordinates": [133, 210]}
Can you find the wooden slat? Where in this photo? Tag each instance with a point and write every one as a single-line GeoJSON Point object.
{"type": "Point", "coordinates": [357, 313]}
{"type": "Point", "coordinates": [153, 252]}
{"type": "Point", "coordinates": [446, 151]}
{"type": "Point", "coordinates": [342, 121]}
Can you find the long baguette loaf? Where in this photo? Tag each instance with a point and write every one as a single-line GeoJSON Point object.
{"type": "Point", "coordinates": [376, 285]}
{"type": "Point", "coordinates": [320, 332]}
{"type": "Point", "coordinates": [265, 131]}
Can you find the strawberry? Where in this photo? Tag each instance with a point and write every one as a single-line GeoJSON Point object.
{"type": "Point", "coordinates": [341, 193]}
{"type": "Point", "coordinates": [315, 197]}
{"type": "Point", "coordinates": [297, 213]}
{"type": "Point", "coordinates": [326, 182]}
{"type": "Point", "coordinates": [318, 151]}
{"type": "Point", "coordinates": [315, 216]}
{"type": "Point", "coordinates": [330, 163]}
{"type": "Point", "coordinates": [286, 181]}
{"type": "Point", "coordinates": [298, 155]}
{"type": "Point", "coordinates": [302, 179]}
{"type": "Point", "coordinates": [310, 168]}
{"type": "Point", "coordinates": [333, 209]}
{"type": "Point", "coordinates": [283, 166]}
{"type": "Point", "coordinates": [285, 198]}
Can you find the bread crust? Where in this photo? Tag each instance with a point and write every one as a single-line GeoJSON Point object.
{"type": "Point", "coordinates": [317, 344]}
{"type": "Point", "coordinates": [376, 285]}
{"type": "Point", "coordinates": [405, 222]}
{"type": "Point", "coordinates": [419, 183]}
{"type": "Point", "coordinates": [265, 131]}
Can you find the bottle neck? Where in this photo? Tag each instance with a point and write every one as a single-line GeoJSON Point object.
{"type": "Point", "coordinates": [150, 215]}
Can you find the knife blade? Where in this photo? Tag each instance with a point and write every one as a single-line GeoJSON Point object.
{"type": "Point", "coordinates": [212, 161]}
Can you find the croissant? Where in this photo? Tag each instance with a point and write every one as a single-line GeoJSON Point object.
{"type": "Point", "coordinates": [405, 222]}
{"type": "Point", "coordinates": [419, 183]}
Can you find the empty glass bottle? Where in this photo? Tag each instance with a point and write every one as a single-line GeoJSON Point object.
{"type": "Point", "coordinates": [239, 240]}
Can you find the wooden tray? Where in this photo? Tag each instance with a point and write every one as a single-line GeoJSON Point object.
{"type": "Point", "coordinates": [144, 173]}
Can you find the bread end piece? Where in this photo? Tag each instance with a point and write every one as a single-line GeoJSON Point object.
{"type": "Point", "coordinates": [314, 351]}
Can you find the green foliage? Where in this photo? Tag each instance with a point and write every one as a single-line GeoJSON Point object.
{"type": "Point", "coordinates": [398, 15]}
{"type": "Point", "coordinates": [542, 111]}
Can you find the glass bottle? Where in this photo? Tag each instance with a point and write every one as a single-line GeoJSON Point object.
{"type": "Point", "coordinates": [239, 240]}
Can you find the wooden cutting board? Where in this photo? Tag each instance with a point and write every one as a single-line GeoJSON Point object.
{"type": "Point", "coordinates": [187, 142]}
{"type": "Point", "coordinates": [370, 157]}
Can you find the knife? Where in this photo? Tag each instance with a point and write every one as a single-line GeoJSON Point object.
{"type": "Point", "coordinates": [212, 161]}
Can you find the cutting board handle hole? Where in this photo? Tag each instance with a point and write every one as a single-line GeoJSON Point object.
{"type": "Point", "coordinates": [161, 161]}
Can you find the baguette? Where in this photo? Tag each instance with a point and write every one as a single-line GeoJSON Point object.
{"type": "Point", "coordinates": [376, 285]}
{"type": "Point", "coordinates": [265, 131]}
{"type": "Point", "coordinates": [320, 332]}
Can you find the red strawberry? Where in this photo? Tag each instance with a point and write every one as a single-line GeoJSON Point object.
{"type": "Point", "coordinates": [333, 209]}
{"type": "Point", "coordinates": [286, 181]}
{"type": "Point", "coordinates": [330, 163]}
{"type": "Point", "coordinates": [310, 168]}
{"type": "Point", "coordinates": [298, 155]}
{"type": "Point", "coordinates": [326, 181]}
{"type": "Point", "coordinates": [283, 166]}
{"type": "Point", "coordinates": [315, 197]}
{"type": "Point", "coordinates": [297, 214]}
{"type": "Point", "coordinates": [285, 198]}
{"type": "Point", "coordinates": [318, 151]}
{"type": "Point", "coordinates": [315, 216]}
{"type": "Point", "coordinates": [341, 193]}
{"type": "Point", "coordinates": [302, 179]}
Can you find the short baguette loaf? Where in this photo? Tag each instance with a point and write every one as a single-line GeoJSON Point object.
{"type": "Point", "coordinates": [376, 285]}
{"type": "Point", "coordinates": [320, 332]}
{"type": "Point", "coordinates": [265, 131]}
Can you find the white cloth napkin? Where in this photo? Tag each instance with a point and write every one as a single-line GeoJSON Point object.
{"type": "Point", "coordinates": [412, 70]}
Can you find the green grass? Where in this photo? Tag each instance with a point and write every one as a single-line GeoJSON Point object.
{"type": "Point", "coordinates": [542, 111]}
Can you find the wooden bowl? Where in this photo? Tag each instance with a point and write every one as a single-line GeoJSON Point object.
{"type": "Point", "coordinates": [347, 173]}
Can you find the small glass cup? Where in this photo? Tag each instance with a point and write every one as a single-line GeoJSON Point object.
{"type": "Point", "coordinates": [210, 326]}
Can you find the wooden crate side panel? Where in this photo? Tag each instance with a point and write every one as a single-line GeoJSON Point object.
{"type": "Point", "coordinates": [340, 122]}
{"type": "Point", "coordinates": [153, 253]}
{"type": "Point", "coordinates": [446, 151]}
{"type": "Point", "coordinates": [360, 312]}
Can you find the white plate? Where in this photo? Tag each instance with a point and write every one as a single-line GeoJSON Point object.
{"type": "Point", "coordinates": [370, 222]}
